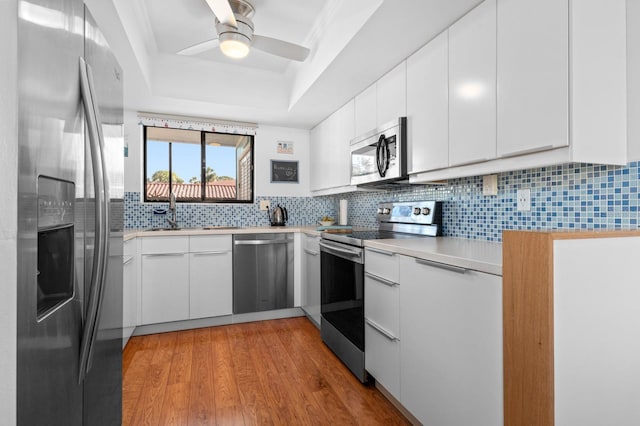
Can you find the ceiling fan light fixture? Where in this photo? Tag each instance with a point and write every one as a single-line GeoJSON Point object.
{"type": "Point", "coordinates": [235, 42]}
{"type": "Point", "coordinates": [235, 47]}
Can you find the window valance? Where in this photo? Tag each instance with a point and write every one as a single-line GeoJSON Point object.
{"type": "Point", "coordinates": [201, 124]}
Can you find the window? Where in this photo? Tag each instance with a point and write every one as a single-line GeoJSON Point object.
{"type": "Point", "coordinates": [197, 166]}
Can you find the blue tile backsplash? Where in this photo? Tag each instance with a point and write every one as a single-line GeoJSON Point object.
{"type": "Point", "coordinates": [569, 196]}
{"type": "Point", "coordinates": [302, 211]}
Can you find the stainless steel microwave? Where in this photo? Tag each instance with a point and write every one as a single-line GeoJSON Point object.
{"type": "Point", "coordinates": [380, 156]}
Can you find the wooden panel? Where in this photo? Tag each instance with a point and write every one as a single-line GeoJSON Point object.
{"type": "Point", "coordinates": [527, 300]}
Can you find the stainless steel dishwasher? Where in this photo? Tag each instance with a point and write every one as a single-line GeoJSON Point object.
{"type": "Point", "coordinates": [262, 272]}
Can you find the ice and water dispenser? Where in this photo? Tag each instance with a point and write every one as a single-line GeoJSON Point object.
{"type": "Point", "coordinates": [55, 279]}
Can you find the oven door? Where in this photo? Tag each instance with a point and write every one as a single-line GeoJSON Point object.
{"type": "Point", "coordinates": [342, 289]}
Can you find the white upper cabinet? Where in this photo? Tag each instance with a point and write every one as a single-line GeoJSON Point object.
{"type": "Point", "coordinates": [366, 110]}
{"type": "Point", "coordinates": [382, 102]}
{"type": "Point", "coordinates": [391, 96]}
{"type": "Point", "coordinates": [472, 86]}
{"type": "Point", "coordinates": [533, 75]}
{"type": "Point", "coordinates": [316, 140]}
{"type": "Point", "coordinates": [341, 157]}
{"type": "Point", "coordinates": [428, 106]}
{"type": "Point", "coordinates": [560, 87]}
{"type": "Point", "coordinates": [330, 159]}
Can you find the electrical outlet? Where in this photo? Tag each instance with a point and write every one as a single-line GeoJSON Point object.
{"type": "Point", "coordinates": [265, 205]}
{"type": "Point", "coordinates": [524, 200]}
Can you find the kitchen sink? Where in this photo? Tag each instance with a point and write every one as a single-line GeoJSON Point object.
{"type": "Point", "coordinates": [204, 228]}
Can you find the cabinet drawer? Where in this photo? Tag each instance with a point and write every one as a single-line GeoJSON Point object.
{"type": "Point", "coordinates": [382, 359]}
{"type": "Point", "coordinates": [381, 263]}
{"type": "Point", "coordinates": [311, 243]}
{"type": "Point", "coordinates": [202, 243]}
{"type": "Point", "coordinates": [157, 245]}
{"type": "Point", "coordinates": [382, 303]}
{"type": "Point", "coordinates": [129, 247]}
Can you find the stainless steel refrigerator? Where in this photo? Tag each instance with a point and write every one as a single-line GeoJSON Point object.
{"type": "Point", "coordinates": [70, 190]}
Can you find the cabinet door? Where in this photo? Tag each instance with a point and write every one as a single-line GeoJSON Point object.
{"type": "Point", "coordinates": [392, 95]}
{"type": "Point", "coordinates": [344, 132]}
{"type": "Point", "coordinates": [451, 357]}
{"type": "Point", "coordinates": [428, 106]}
{"type": "Point", "coordinates": [129, 295]}
{"type": "Point", "coordinates": [165, 288]}
{"type": "Point", "coordinates": [317, 151]}
{"type": "Point", "coordinates": [472, 86]}
{"type": "Point", "coordinates": [366, 110]}
{"type": "Point", "coordinates": [210, 284]}
{"type": "Point", "coordinates": [533, 75]}
{"type": "Point", "coordinates": [382, 344]}
{"type": "Point", "coordinates": [311, 277]}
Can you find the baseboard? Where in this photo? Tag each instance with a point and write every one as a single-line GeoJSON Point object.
{"type": "Point", "coordinates": [214, 321]}
{"type": "Point", "coordinates": [398, 405]}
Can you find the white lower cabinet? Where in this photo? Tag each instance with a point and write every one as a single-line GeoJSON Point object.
{"type": "Point", "coordinates": [165, 287]}
{"type": "Point", "coordinates": [186, 277]}
{"type": "Point", "coordinates": [451, 357]}
{"type": "Point", "coordinates": [129, 289]}
{"type": "Point", "coordinates": [311, 277]}
{"type": "Point", "coordinates": [210, 276]}
{"type": "Point", "coordinates": [381, 333]}
{"type": "Point", "coordinates": [382, 319]}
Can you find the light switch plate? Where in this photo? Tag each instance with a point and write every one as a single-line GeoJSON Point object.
{"type": "Point", "coordinates": [490, 185]}
{"type": "Point", "coordinates": [265, 205]}
{"type": "Point", "coordinates": [524, 200]}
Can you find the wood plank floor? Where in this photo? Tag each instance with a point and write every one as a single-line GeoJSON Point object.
{"type": "Point", "coordinates": [270, 372]}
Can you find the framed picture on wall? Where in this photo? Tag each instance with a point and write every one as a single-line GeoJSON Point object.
{"type": "Point", "coordinates": [284, 171]}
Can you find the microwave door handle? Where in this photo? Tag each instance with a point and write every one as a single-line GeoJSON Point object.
{"type": "Point", "coordinates": [386, 157]}
{"type": "Point", "coordinates": [379, 160]}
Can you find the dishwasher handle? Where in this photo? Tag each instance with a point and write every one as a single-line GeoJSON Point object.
{"type": "Point", "coordinates": [260, 242]}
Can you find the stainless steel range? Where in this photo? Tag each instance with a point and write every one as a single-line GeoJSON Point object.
{"type": "Point", "coordinates": [342, 274]}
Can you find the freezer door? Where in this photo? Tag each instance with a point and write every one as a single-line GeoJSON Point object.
{"type": "Point", "coordinates": [51, 213]}
{"type": "Point", "coordinates": [103, 381]}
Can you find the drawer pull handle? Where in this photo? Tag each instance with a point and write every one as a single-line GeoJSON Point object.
{"type": "Point", "coordinates": [381, 330]}
{"type": "Point", "coordinates": [312, 253]}
{"type": "Point", "coordinates": [204, 253]}
{"type": "Point", "coordinates": [127, 260]}
{"type": "Point", "coordinates": [163, 254]}
{"type": "Point", "coordinates": [381, 280]}
{"type": "Point", "coordinates": [451, 268]}
{"type": "Point", "coordinates": [384, 252]}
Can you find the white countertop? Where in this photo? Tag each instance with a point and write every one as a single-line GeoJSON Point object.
{"type": "Point", "coordinates": [307, 229]}
{"type": "Point", "coordinates": [483, 256]}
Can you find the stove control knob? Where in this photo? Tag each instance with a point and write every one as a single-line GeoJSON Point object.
{"type": "Point", "coordinates": [379, 210]}
{"type": "Point", "coordinates": [416, 210]}
{"type": "Point", "coordinates": [386, 210]}
{"type": "Point", "coordinates": [426, 211]}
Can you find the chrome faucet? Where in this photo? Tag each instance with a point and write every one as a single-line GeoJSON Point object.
{"type": "Point", "coordinates": [173, 220]}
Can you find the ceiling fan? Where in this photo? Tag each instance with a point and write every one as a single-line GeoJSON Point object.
{"type": "Point", "coordinates": [236, 37]}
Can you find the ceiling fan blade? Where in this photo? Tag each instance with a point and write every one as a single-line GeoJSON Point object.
{"type": "Point", "coordinates": [199, 47]}
{"type": "Point", "coordinates": [224, 13]}
{"type": "Point", "coordinates": [280, 48]}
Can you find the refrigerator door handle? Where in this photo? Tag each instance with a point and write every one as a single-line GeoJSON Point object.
{"type": "Point", "coordinates": [101, 188]}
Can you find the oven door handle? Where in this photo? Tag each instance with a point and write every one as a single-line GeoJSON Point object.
{"type": "Point", "coordinates": [345, 253]}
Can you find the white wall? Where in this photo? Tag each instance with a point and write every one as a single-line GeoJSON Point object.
{"type": "Point", "coordinates": [9, 194]}
{"type": "Point", "coordinates": [266, 150]}
{"type": "Point", "coordinates": [132, 163]}
{"type": "Point", "coordinates": [266, 141]}
{"type": "Point", "coordinates": [633, 79]}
